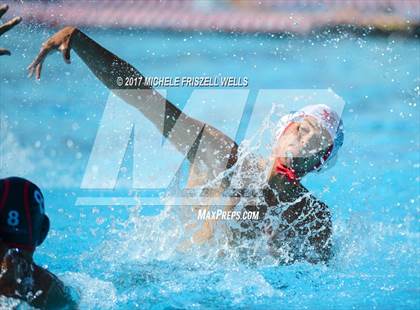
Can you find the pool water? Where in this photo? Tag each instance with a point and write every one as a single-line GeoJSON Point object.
{"type": "Point", "coordinates": [122, 257]}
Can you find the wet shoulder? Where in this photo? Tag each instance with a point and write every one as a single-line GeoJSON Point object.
{"type": "Point", "coordinates": [22, 279]}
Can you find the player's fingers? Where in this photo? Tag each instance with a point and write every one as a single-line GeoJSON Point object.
{"type": "Point", "coordinates": [39, 59]}
{"type": "Point", "coordinates": [4, 51]}
{"type": "Point", "coordinates": [3, 9]}
{"type": "Point", "coordinates": [38, 71]}
{"type": "Point", "coordinates": [45, 50]}
{"type": "Point", "coordinates": [30, 71]}
{"type": "Point", "coordinates": [10, 24]}
{"type": "Point", "coordinates": [33, 65]}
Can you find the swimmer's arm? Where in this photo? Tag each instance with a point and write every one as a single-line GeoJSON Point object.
{"type": "Point", "coordinates": [181, 129]}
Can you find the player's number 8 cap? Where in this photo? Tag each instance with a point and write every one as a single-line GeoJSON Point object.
{"type": "Point", "coordinates": [23, 222]}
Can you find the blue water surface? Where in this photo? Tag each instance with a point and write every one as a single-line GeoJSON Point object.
{"type": "Point", "coordinates": [122, 257]}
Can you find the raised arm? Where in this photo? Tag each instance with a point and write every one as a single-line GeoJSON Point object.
{"type": "Point", "coordinates": [178, 127]}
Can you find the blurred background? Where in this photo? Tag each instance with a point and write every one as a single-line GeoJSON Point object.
{"type": "Point", "coordinates": [270, 16]}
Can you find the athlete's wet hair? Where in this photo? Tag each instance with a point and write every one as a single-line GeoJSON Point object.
{"type": "Point", "coordinates": [23, 223]}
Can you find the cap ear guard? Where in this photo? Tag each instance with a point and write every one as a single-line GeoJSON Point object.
{"type": "Point", "coordinates": [45, 228]}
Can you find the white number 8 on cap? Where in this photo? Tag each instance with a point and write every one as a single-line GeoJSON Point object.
{"type": "Point", "coordinates": [13, 218]}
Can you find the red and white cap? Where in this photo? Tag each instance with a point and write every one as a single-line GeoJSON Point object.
{"type": "Point", "coordinates": [327, 118]}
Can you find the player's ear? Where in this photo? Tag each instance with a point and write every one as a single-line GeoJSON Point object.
{"type": "Point", "coordinates": [45, 227]}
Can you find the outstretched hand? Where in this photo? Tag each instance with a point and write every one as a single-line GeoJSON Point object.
{"type": "Point", "coordinates": [60, 41]}
{"type": "Point", "coordinates": [7, 26]}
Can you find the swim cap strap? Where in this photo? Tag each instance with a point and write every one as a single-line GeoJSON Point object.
{"type": "Point", "coordinates": [289, 173]}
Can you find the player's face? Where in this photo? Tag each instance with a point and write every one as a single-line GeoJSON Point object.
{"type": "Point", "coordinates": [303, 140]}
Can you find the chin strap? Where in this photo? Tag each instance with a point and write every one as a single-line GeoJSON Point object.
{"type": "Point", "coordinates": [289, 173]}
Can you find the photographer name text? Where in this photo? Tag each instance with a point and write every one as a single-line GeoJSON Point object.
{"type": "Point", "coordinates": [182, 81]}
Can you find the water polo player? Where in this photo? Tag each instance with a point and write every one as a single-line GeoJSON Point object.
{"type": "Point", "coordinates": [308, 141]}
{"type": "Point", "coordinates": [24, 226]}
